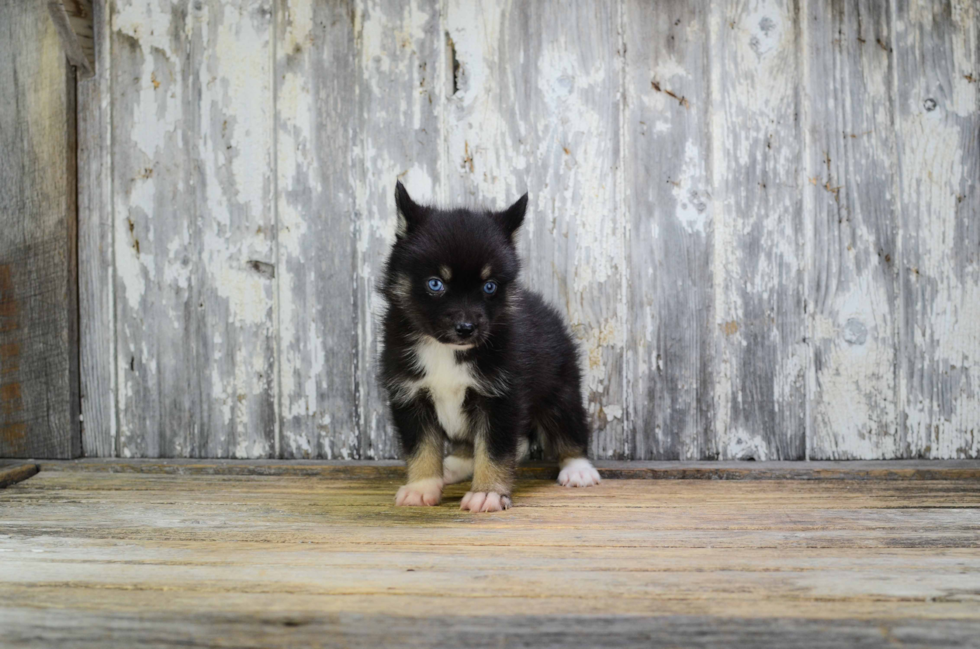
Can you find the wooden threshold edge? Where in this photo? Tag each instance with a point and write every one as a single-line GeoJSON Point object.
{"type": "Point", "coordinates": [14, 473]}
{"type": "Point", "coordinates": [394, 469]}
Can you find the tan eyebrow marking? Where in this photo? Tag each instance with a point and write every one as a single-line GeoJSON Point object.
{"type": "Point", "coordinates": [485, 273]}
{"type": "Point", "coordinates": [446, 272]}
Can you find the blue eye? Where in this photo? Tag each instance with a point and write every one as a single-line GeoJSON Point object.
{"type": "Point", "coordinates": [490, 288]}
{"type": "Point", "coordinates": [436, 285]}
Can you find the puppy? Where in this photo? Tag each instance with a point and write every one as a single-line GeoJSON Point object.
{"type": "Point", "coordinates": [471, 356]}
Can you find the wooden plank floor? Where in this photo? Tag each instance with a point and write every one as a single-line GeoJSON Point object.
{"type": "Point", "coordinates": [122, 559]}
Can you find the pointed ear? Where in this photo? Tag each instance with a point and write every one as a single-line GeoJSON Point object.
{"type": "Point", "coordinates": [409, 212]}
{"type": "Point", "coordinates": [512, 218]}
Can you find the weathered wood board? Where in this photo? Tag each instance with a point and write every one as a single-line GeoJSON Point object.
{"type": "Point", "coordinates": [670, 350]}
{"type": "Point", "coordinates": [759, 292]}
{"type": "Point", "coordinates": [759, 218]}
{"type": "Point", "coordinates": [12, 472]}
{"type": "Point", "coordinates": [937, 123]}
{"type": "Point", "coordinates": [195, 228]}
{"type": "Point", "coordinates": [98, 559]}
{"type": "Point", "coordinates": [317, 298]}
{"type": "Point", "coordinates": [74, 21]}
{"type": "Point", "coordinates": [964, 470]}
{"type": "Point", "coordinates": [851, 203]}
{"type": "Point", "coordinates": [96, 270]}
{"type": "Point", "coordinates": [39, 402]}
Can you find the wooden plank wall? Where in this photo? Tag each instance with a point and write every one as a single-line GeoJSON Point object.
{"type": "Point", "coordinates": [39, 400]}
{"type": "Point", "coordinates": [762, 218]}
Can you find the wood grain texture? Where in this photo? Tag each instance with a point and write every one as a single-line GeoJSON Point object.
{"type": "Point", "coordinates": [96, 277]}
{"type": "Point", "coordinates": [38, 212]}
{"type": "Point", "coordinates": [84, 17]}
{"type": "Point", "coordinates": [543, 470]}
{"type": "Point", "coordinates": [194, 228]}
{"type": "Point", "coordinates": [44, 627]}
{"type": "Point", "coordinates": [397, 137]}
{"type": "Point", "coordinates": [937, 52]}
{"type": "Point", "coordinates": [758, 260]}
{"type": "Point", "coordinates": [73, 21]}
{"type": "Point", "coordinates": [850, 203]}
{"type": "Point", "coordinates": [12, 473]}
{"type": "Point", "coordinates": [536, 106]}
{"type": "Point", "coordinates": [316, 273]}
{"type": "Point", "coordinates": [276, 561]}
{"type": "Point", "coordinates": [667, 157]}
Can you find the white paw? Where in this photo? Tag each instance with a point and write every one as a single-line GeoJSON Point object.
{"type": "Point", "coordinates": [456, 469]}
{"type": "Point", "coordinates": [578, 472]}
{"type": "Point", "coordinates": [420, 493]}
{"type": "Point", "coordinates": [481, 501]}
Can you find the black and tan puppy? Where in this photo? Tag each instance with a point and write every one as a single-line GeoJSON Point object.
{"type": "Point", "coordinates": [472, 356]}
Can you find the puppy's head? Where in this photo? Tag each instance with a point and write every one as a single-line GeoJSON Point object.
{"type": "Point", "coordinates": [450, 271]}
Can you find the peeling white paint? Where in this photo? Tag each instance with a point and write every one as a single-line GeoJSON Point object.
{"type": "Point", "coordinates": [148, 25]}
{"type": "Point", "coordinates": [692, 200]}
{"type": "Point", "coordinates": [745, 445]}
{"type": "Point", "coordinates": [189, 294]}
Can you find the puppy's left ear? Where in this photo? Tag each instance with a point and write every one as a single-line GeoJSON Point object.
{"type": "Point", "coordinates": [512, 218]}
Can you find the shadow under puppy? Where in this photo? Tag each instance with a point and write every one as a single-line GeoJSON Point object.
{"type": "Point", "coordinates": [471, 355]}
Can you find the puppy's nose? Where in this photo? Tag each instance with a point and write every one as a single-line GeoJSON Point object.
{"type": "Point", "coordinates": [464, 329]}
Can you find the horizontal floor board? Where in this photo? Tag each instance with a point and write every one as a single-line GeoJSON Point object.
{"type": "Point", "coordinates": [84, 629]}
{"type": "Point", "coordinates": [390, 469]}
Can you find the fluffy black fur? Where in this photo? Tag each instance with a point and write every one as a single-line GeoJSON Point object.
{"type": "Point", "coordinates": [522, 353]}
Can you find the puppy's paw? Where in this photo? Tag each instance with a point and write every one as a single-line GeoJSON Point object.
{"type": "Point", "coordinates": [482, 501]}
{"type": "Point", "coordinates": [420, 493]}
{"type": "Point", "coordinates": [456, 469]}
{"type": "Point", "coordinates": [578, 472]}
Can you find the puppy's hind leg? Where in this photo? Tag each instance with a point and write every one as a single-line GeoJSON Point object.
{"type": "Point", "coordinates": [458, 466]}
{"type": "Point", "coordinates": [578, 472]}
{"type": "Point", "coordinates": [566, 433]}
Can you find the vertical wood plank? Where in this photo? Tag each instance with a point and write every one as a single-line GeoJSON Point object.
{"type": "Point", "coordinates": [398, 136]}
{"type": "Point", "coordinates": [147, 191]}
{"type": "Point", "coordinates": [850, 204]}
{"type": "Point", "coordinates": [756, 167]}
{"type": "Point", "coordinates": [95, 264]}
{"type": "Point", "coordinates": [937, 51]}
{"type": "Point", "coordinates": [315, 116]}
{"type": "Point", "coordinates": [39, 398]}
{"type": "Point", "coordinates": [536, 105]}
{"type": "Point", "coordinates": [194, 227]}
{"type": "Point", "coordinates": [671, 225]}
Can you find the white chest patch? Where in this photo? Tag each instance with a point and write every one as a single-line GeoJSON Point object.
{"type": "Point", "coordinates": [447, 381]}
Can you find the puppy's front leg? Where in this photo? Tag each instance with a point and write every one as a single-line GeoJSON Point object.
{"type": "Point", "coordinates": [494, 462]}
{"type": "Point", "coordinates": [422, 443]}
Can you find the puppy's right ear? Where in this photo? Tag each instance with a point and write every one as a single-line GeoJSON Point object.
{"type": "Point", "coordinates": [512, 218]}
{"type": "Point", "coordinates": [410, 214]}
